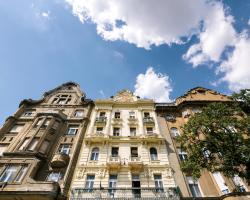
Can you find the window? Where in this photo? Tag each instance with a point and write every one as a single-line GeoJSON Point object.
{"type": "Point", "coordinates": [56, 125]}
{"type": "Point", "coordinates": [99, 129]}
{"type": "Point", "coordinates": [174, 132]}
{"type": "Point", "coordinates": [182, 154]}
{"type": "Point", "coordinates": [132, 115]}
{"type": "Point", "coordinates": [112, 184]}
{"type": "Point", "coordinates": [153, 154]}
{"type": "Point", "coordinates": [9, 174]}
{"type": "Point", "coordinates": [114, 151]}
{"type": "Point", "coordinates": [33, 144]}
{"type": "Point", "coordinates": [220, 182]}
{"type": "Point", "coordinates": [54, 176]}
{"type": "Point", "coordinates": [78, 113]}
{"type": "Point", "coordinates": [149, 130]}
{"type": "Point", "coordinates": [134, 152]}
{"type": "Point", "coordinates": [146, 115]}
{"type": "Point", "coordinates": [116, 131]}
{"type": "Point", "coordinates": [65, 148]}
{"type": "Point", "coordinates": [21, 173]}
{"type": "Point", "coordinates": [28, 113]}
{"type": "Point", "coordinates": [16, 128]}
{"type": "Point", "coordinates": [132, 131]}
{"type": "Point", "coordinates": [3, 147]}
{"type": "Point", "coordinates": [62, 99]}
{"type": "Point", "coordinates": [24, 144]}
{"type": "Point", "coordinates": [44, 147]}
{"type": "Point", "coordinates": [95, 153]}
{"type": "Point", "coordinates": [39, 122]}
{"type": "Point", "coordinates": [102, 114]}
{"type": "Point", "coordinates": [194, 187]}
{"type": "Point", "coordinates": [72, 130]}
{"type": "Point", "coordinates": [239, 184]}
{"type": "Point", "coordinates": [158, 183]}
{"type": "Point", "coordinates": [185, 113]}
{"type": "Point", "coordinates": [90, 182]}
{"type": "Point", "coordinates": [45, 123]}
{"type": "Point", "coordinates": [117, 115]}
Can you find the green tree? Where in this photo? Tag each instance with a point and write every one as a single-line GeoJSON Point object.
{"type": "Point", "coordinates": [217, 139]}
{"type": "Point", "coordinates": [243, 100]}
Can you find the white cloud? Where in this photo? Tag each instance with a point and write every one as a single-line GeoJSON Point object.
{"type": "Point", "coordinates": [248, 22]}
{"type": "Point", "coordinates": [143, 23]}
{"type": "Point", "coordinates": [235, 69]}
{"type": "Point", "coordinates": [153, 86]}
{"type": "Point", "coordinates": [217, 34]}
{"type": "Point", "coordinates": [102, 93]}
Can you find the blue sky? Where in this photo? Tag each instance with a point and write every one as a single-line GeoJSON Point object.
{"type": "Point", "coordinates": [44, 43]}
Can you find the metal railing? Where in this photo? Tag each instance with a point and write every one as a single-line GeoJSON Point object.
{"type": "Point", "coordinates": [101, 119]}
{"type": "Point", "coordinates": [124, 193]}
{"type": "Point", "coordinates": [148, 120]}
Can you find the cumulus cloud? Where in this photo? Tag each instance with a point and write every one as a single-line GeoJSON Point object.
{"type": "Point", "coordinates": [218, 33]}
{"type": "Point", "coordinates": [45, 14]}
{"type": "Point", "coordinates": [169, 22]}
{"type": "Point", "coordinates": [142, 23]}
{"type": "Point", "coordinates": [153, 86]}
{"type": "Point", "coordinates": [235, 69]}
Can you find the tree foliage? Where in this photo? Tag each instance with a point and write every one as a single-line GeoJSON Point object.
{"type": "Point", "coordinates": [217, 139]}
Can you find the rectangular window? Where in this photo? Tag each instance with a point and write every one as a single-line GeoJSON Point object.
{"type": "Point", "coordinates": [112, 184]}
{"type": "Point", "coordinates": [239, 184]}
{"type": "Point", "coordinates": [182, 154]}
{"type": "Point", "coordinates": [16, 128]}
{"type": "Point", "coordinates": [117, 115]}
{"type": "Point", "coordinates": [45, 146]}
{"type": "Point", "coordinates": [90, 182]}
{"type": "Point", "coordinates": [8, 174]}
{"type": "Point", "coordinates": [194, 187]}
{"type": "Point", "coordinates": [220, 182]}
{"type": "Point", "coordinates": [62, 101]}
{"type": "Point", "coordinates": [21, 173]}
{"type": "Point", "coordinates": [39, 122]}
{"type": "Point", "coordinates": [78, 113]}
{"type": "Point", "coordinates": [28, 113]}
{"type": "Point", "coordinates": [65, 148]}
{"type": "Point", "coordinates": [99, 129]}
{"type": "Point", "coordinates": [54, 176]}
{"type": "Point", "coordinates": [149, 130]}
{"type": "Point", "coordinates": [132, 115]}
{"type": "Point", "coordinates": [158, 182]}
{"type": "Point", "coordinates": [3, 147]}
{"type": "Point", "coordinates": [102, 114]}
{"type": "Point", "coordinates": [146, 115]}
{"type": "Point", "coordinates": [45, 123]}
{"type": "Point", "coordinates": [132, 131]}
{"type": "Point", "coordinates": [33, 144]}
{"type": "Point", "coordinates": [115, 151]}
{"type": "Point", "coordinates": [24, 144]}
{"type": "Point", "coordinates": [72, 130]}
{"type": "Point", "coordinates": [116, 131]}
{"type": "Point", "coordinates": [134, 152]}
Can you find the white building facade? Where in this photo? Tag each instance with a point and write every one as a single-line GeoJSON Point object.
{"type": "Point", "coordinates": [123, 153]}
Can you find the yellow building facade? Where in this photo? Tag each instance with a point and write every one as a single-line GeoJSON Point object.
{"type": "Point", "coordinates": [124, 154]}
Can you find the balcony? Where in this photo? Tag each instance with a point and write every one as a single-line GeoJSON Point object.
{"type": "Point", "coordinates": [117, 121]}
{"type": "Point", "coordinates": [100, 120]}
{"type": "Point", "coordinates": [151, 134]}
{"type": "Point", "coordinates": [60, 160]}
{"type": "Point", "coordinates": [135, 162]}
{"type": "Point", "coordinates": [114, 162]}
{"type": "Point", "coordinates": [132, 120]}
{"type": "Point", "coordinates": [170, 118]}
{"type": "Point", "coordinates": [148, 121]}
{"type": "Point", "coordinates": [125, 193]}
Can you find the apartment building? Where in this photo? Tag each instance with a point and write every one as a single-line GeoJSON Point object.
{"type": "Point", "coordinates": [40, 143]}
{"type": "Point", "coordinates": [124, 154]}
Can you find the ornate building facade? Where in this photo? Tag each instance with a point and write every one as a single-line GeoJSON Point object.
{"type": "Point", "coordinates": [171, 117]}
{"type": "Point", "coordinates": [124, 154]}
{"type": "Point", "coordinates": [40, 143]}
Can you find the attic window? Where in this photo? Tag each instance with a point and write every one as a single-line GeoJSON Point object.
{"type": "Point", "coordinates": [62, 99]}
{"type": "Point", "coordinates": [201, 91]}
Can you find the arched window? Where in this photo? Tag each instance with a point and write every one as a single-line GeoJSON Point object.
{"type": "Point", "coordinates": [95, 153]}
{"type": "Point", "coordinates": [153, 153]}
{"type": "Point", "coordinates": [174, 132]}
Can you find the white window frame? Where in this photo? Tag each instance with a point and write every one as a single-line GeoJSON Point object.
{"type": "Point", "coordinates": [74, 130]}
{"type": "Point", "coordinates": [54, 176]}
{"type": "Point", "coordinates": [65, 148]}
{"type": "Point", "coordinates": [221, 183]}
{"type": "Point", "coordinates": [90, 180]}
{"type": "Point", "coordinates": [95, 154]}
{"type": "Point", "coordinates": [194, 184]}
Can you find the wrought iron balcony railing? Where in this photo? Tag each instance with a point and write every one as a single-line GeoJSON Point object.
{"type": "Point", "coordinates": [124, 193]}
{"type": "Point", "coordinates": [101, 119]}
{"type": "Point", "coordinates": [148, 120]}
